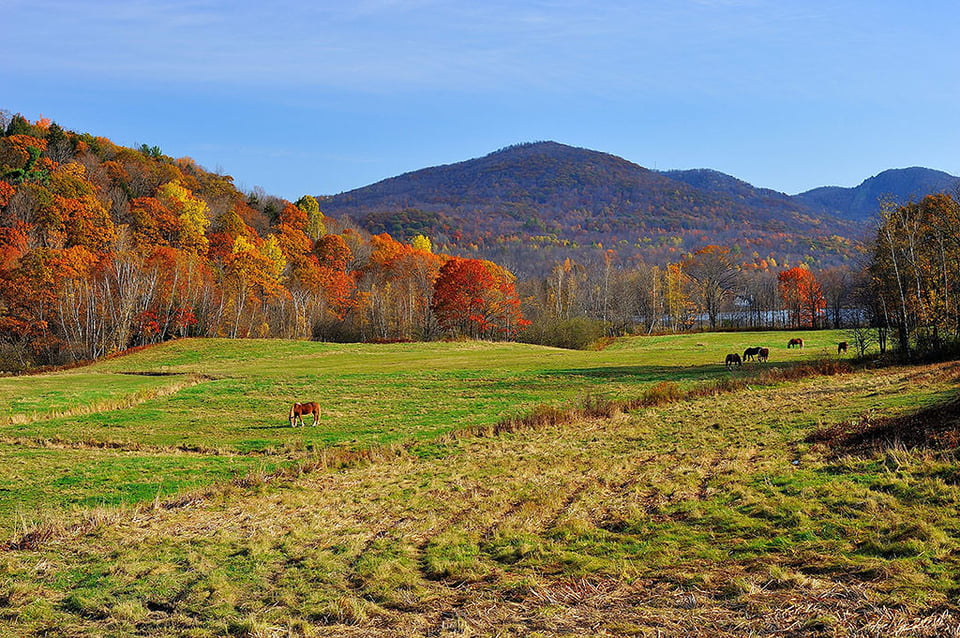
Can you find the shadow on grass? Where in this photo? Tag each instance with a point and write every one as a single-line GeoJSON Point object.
{"type": "Point", "coordinates": [284, 426]}
{"type": "Point", "coordinates": [936, 426]}
{"type": "Point", "coordinates": [649, 373]}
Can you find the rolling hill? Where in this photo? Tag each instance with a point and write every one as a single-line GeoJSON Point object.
{"type": "Point", "coordinates": [528, 204]}
{"type": "Point", "coordinates": [712, 181]}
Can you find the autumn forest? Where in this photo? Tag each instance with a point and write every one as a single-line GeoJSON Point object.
{"type": "Point", "coordinates": [104, 248]}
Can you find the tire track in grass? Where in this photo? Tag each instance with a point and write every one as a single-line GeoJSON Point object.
{"type": "Point", "coordinates": [428, 571]}
{"type": "Point", "coordinates": [568, 502]}
{"type": "Point", "coordinates": [612, 510]}
{"type": "Point", "coordinates": [125, 403]}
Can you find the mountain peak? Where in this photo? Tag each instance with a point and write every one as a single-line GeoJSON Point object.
{"type": "Point", "coordinates": [558, 151]}
{"type": "Point", "coordinates": [539, 145]}
{"type": "Point", "coordinates": [862, 202]}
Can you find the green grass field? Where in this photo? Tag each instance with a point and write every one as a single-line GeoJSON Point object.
{"type": "Point", "coordinates": [709, 516]}
{"type": "Point", "coordinates": [218, 409]}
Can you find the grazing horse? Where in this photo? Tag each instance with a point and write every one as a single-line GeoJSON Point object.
{"type": "Point", "coordinates": [299, 409]}
{"type": "Point", "coordinates": [763, 354]}
{"type": "Point", "coordinates": [750, 353]}
{"type": "Point", "coordinates": [733, 359]}
{"type": "Point", "coordinates": [796, 341]}
{"type": "Point", "coordinates": [842, 347]}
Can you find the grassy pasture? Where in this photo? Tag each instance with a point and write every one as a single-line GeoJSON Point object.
{"type": "Point", "coordinates": [708, 517]}
{"type": "Point", "coordinates": [178, 415]}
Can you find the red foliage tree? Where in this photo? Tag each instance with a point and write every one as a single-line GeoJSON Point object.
{"type": "Point", "coordinates": [802, 296]}
{"type": "Point", "coordinates": [476, 298]}
{"type": "Point", "coordinates": [290, 233]}
{"type": "Point", "coordinates": [332, 252]}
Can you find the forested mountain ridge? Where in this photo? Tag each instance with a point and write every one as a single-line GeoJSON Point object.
{"type": "Point", "coordinates": [539, 201]}
{"type": "Point", "coordinates": [709, 180]}
{"type": "Point", "coordinates": [530, 204]}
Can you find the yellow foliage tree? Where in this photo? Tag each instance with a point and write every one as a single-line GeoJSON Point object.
{"type": "Point", "coordinates": [316, 228]}
{"type": "Point", "coordinates": [192, 212]}
{"type": "Point", "coordinates": [271, 250]}
{"type": "Point", "coordinates": [422, 242]}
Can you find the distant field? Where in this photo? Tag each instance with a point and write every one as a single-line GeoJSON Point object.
{"type": "Point", "coordinates": [217, 408]}
{"type": "Point", "coordinates": [715, 516]}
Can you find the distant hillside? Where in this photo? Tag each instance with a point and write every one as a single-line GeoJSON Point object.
{"type": "Point", "coordinates": [538, 200]}
{"type": "Point", "coordinates": [861, 202]}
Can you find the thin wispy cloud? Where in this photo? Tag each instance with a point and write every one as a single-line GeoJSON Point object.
{"type": "Point", "coordinates": [396, 45]}
{"type": "Point", "coordinates": [685, 83]}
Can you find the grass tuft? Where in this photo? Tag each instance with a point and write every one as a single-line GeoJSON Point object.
{"type": "Point", "coordinates": [661, 394]}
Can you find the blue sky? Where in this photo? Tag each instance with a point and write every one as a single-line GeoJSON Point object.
{"type": "Point", "coordinates": [322, 97]}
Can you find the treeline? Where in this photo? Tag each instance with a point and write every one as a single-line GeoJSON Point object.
{"type": "Point", "coordinates": [708, 289]}
{"type": "Point", "coordinates": [103, 248]}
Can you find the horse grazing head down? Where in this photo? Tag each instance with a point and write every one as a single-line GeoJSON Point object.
{"type": "Point", "coordinates": [796, 341]}
{"type": "Point", "coordinates": [733, 359]}
{"type": "Point", "coordinates": [750, 353]}
{"type": "Point", "coordinates": [297, 410]}
{"type": "Point", "coordinates": [764, 354]}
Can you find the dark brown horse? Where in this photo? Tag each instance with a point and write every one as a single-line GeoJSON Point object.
{"type": "Point", "coordinates": [764, 354]}
{"type": "Point", "coordinates": [842, 347]}
{"type": "Point", "coordinates": [299, 409]}
{"type": "Point", "coordinates": [796, 341]}
{"type": "Point", "coordinates": [733, 359]}
{"type": "Point", "coordinates": [750, 353]}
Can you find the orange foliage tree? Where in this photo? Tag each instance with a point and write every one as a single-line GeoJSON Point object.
{"type": "Point", "coordinates": [153, 223]}
{"type": "Point", "coordinates": [322, 289]}
{"type": "Point", "coordinates": [398, 281]}
{"type": "Point", "coordinates": [251, 279]}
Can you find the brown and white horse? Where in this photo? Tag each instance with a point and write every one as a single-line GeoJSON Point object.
{"type": "Point", "coordinates": [299, 409]}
